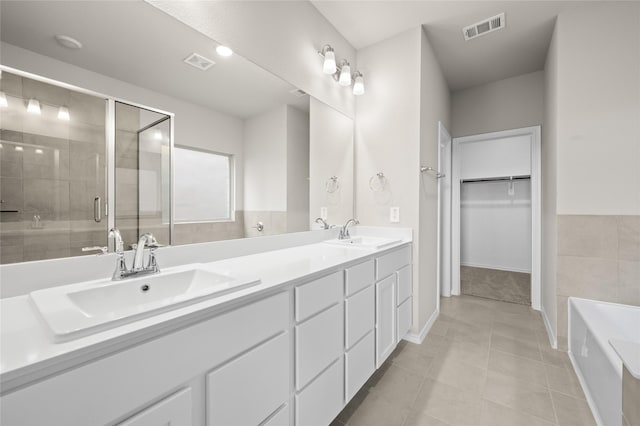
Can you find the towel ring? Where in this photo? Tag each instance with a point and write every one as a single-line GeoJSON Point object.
{"type": "Point", "coordinates": [378, 182]}
{"type": "Point", "coordinates": [332, 184]}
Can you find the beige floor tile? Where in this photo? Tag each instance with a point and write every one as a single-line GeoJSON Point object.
{"type": "Point", "coordinates": [373, 409]}
{"type": "Point", "coordinates": [421, 419]}
{"type": "Point", "coordinates": [470, 333]}
{"type": "Point", "coordinates": [524, 334]}
{"type": "Point", "coordinates": [564, 380]}
{"type": "Point", "coordinates": [516, 347]}
{"type": "Point", "coordinates": [519, 395]}
{"type": "Point", "coordinates": [446, 403]}
{"type": "Point", "coordinates": [466, 353]}
{"type": "Point", "coordinates": [499, 415]}
{"type": "Point", "coordinates": [457, 374]}
{"type": "Point", "coordinates": [397, 385]}
{"type": "Point", "coordinates": [411, 358]}
{"type": "Point", "coordinates": [518, 367]}
{"type": "Point", "coordinates": [554, 357]}
{"type": "Point", "coordinates": [572, 411]}
{"type": "Point", "coordinates": [440, 327]}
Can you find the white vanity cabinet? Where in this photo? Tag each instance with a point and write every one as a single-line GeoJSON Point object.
{"type": "Point", "coordinates": [319, 330]}
{"type": "Point", "coordinates": [393, 300]}
{"type": "Point", "coordinates": [236, 361]}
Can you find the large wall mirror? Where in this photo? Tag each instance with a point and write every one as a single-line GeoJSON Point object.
{"type": "Point", "coordinates": [136, 132]}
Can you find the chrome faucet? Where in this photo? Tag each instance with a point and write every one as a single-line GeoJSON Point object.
{"type": "Point", "coordinates": [323, 222]}
{"type": "Point", "coordinates": [146, 240]}
{"type": "Point", "coordinates": [344, 231]}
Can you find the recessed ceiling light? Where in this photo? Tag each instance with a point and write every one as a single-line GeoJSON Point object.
{"type": "Point", "coordinates": [224, 51]}
{"type": "Point", "coordinates": [68, 42]}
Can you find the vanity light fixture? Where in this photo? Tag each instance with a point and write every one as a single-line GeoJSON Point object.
{"type": "Point", "coordinates": [19, 148]}
{"type": "Point", "coordinates": [3, 100]}
{"type": "Point", "coordinates": [34, 106]}
{"type": "Point", "coordinates": [38, 151]}
{"type": "Point", "coordinates": [341, 73]}
{"type": "Point", "coordinates": [63, 113]}
{"type": "Point", "coordinates": [224, 51]}
{"type": "Point", "coordinates": [329, 64]}
{"type": "Point", "coordinates": [358, 85]}
{"type": "Point", "coordinates": [345, 74]}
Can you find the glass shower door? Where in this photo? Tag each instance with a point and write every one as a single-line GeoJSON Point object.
{"type": "Point", "coordinates": [52, 171]}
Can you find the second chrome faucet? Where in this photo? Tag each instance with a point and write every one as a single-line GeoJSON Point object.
{"type": "Point", "coordinates": [138, 268]}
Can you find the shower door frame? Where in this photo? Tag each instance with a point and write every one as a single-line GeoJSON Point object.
{"type": "Point", "coordinates": [536, 206]}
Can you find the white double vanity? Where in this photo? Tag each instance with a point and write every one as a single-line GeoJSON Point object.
{"type": "Point", "coordinates": [305, 328]}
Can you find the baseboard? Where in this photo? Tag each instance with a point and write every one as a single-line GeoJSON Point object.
{"type": "Point", "coordinates": [419, 338]}
{"type": "Point", "coordinates": [499, 268]}
{"type": "Point", "coordinates": [550, 334]}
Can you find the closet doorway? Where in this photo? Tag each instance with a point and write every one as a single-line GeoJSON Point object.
{"type": "Point", "coordinates": [496, 211]}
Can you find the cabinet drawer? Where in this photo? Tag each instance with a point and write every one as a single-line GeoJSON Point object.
{"type": "Point", "coordinates": [360, 364]}
{"type": "Point", "coordinates": [404, 318]}
{"type": "Point", "coordinates": [250, 388]}
{"type": "Point", "coordinates": [317, 295]}
{"type": "Point", "coordinates": [404, 284]}
{"type": "Point", "coordinates": [281, 418]}
{"type": "Point", "coordinates": [360, 315]}
{"type": "Point", "coordinates": [321, 402]}
{"type": "Point", "coordinates": [359, 276]}
{"type": "Point", "coordinates": [175, 410]}
{"type": "Point", "coordinates": [391, 262]}
{"type": "Point", "coordinates": [318, 344]}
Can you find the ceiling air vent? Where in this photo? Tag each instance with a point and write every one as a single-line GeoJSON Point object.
{"type": "Point", "coordinates": [484, 27]}
{"type": "Point", "coordinates": [199, 62]}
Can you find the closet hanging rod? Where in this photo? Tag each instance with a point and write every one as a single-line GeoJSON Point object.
{"type": "Point", "coordinates": [496, 179]}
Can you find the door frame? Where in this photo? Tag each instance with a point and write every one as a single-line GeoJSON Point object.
{"type": "Point", "coordinates": [536, 206]}
{"type": "Point", "coordinates": [444, 217]}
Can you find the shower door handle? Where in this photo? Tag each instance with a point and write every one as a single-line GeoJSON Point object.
{"type": "Point", "coordinates": [97, 209]}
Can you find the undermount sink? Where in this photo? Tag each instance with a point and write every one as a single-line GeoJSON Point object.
{"type": "Point", "coordinates": [371, 243]}
{"type": "Point", "coordinates": [81, 309]}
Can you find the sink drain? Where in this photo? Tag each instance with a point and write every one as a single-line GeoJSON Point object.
{"type": "Point", "coordinates": [145, 287]}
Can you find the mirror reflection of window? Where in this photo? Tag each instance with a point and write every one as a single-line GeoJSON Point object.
{"type": "Point", "coordinates": [203, 186]}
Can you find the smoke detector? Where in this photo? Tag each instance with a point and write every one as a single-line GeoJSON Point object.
{"type": "Point", "coordinates": [484, 27]}
{"type": "Point", "coordinates": [199, 61]}
{"type": "Point", "coordinates": [68, 42]}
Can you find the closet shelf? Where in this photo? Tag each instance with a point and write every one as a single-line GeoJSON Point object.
{"type": "Point", "coordinates": [496, 179]}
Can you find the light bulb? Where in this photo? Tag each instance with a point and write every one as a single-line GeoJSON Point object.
{"type": "Point", "coordinates": [38, 151]}
{"type": "Point", "coordinates": [345, 75]}
{"type": "Point", "coordinates": [19, 148]}
{"type": "Point", "coordinates": [329, 66]}
{"type": "Point", "coordinates": [63, 113]}
{"type": "Point", "coordinates": [224, 51]}
{"type": "Point", "coordinates": [358, 85]}
{"type": "Point", "coordinates": [3, 100]}
{"type": "Point", "coordinates": [34, 106]}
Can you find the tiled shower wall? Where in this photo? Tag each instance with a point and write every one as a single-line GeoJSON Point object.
{"type": "Point", "coordinates": [57, 170]}
{"type": "Point", "coordinates": [598, 258]}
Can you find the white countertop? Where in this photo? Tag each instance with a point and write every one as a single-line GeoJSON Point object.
{"type": "Point", "coordinates": [629, 352]}
{"type": "Point", "coordinates": [28, 353]}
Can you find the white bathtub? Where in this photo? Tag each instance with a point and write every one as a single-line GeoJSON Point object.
{"type": "Point", "coordinates": [591, 325]}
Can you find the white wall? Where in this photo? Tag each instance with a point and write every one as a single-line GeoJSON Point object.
{"type": "Point", "coordinates": [297, 170]}
{"type": "Point", "coordinates": [396, 130]}
{"type": "Point", "coordinates": [549, 181]}
{"type": "Point", "coordinates": [331, 151]}
{"type": "Point", "coordinates": [502, 105]}
{"type": "Point", "coordinates": [435, 105]}
{"type": "Point", "coordinates": [195, 126]}
{"type": "Point", "coordinates": [265, 161]}
{"type": "Point", "coordinates": [282, 37]}
{"type": "Point", "coordinates": [495, 227]}
{"type": "Point", "coordinates": [598, 110]}
{"type": "Point", "coordinates": [510, 156]}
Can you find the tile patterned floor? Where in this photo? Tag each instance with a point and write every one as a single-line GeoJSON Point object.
{"type": "Point", "coordinates": [513, 287]}
{"type": "Point", "coordinates": [484, 363]}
